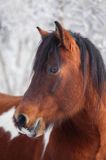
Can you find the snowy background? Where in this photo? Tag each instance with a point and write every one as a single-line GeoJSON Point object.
{"type": "Point", "coordinates": [19, 37]}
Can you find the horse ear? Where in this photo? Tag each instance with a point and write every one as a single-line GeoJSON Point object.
{"type": "Point", "coordinates": [42, 32]}
{"type": "Point", "coordinates": [64, 36]}
{"type": "Point", "coordinates": [60, 33]}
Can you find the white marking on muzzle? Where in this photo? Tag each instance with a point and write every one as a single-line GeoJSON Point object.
{"type": "Point", "coordinates": [30, 133]}
{"type": "Point", "coordinates": [23, 131]}
{"type": "Point", "coordinates": [46, 138]}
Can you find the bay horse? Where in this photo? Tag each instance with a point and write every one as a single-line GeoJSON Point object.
{"type": "Point", "coordinates": [66, 99]}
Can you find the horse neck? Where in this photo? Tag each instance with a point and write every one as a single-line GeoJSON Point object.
{"type": "Point", "coordinates": [94, 103]}
{"type": "Point", "coordinates": [83, 128]}
{"type": "Point", "coordinates": [80, 128]}
{"type": "Point", "coordinates": [86, 120]}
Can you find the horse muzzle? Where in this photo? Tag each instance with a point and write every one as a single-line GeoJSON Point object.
{"type": "Point", "coordinates": [36, 130]}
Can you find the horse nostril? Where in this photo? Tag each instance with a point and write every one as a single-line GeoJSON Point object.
{"type": "Point", "coordinates": [21, 121]}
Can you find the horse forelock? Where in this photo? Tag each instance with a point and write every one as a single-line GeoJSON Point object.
{"type": "Point", "coordinates": [48, 46]}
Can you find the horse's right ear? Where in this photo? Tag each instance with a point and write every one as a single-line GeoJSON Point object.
{"type": "Point", "coordinates": [42, 32]}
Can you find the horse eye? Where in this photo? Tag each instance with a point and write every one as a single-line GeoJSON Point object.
{"type": "Point", "coordinates": [53, 69]}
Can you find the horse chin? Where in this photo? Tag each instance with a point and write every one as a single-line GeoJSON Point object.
{"type": "Point", "coordinates": [31, 134]}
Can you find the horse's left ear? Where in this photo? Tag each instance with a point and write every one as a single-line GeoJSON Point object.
{"type": "Point", "coordinates": [42, 32]}
{"type": "Point", "coordinates": [59, 32]}
{"type": "Point", "coordinates": [64, 36]}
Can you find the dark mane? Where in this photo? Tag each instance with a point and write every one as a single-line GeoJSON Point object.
{"type": "Point", "coordinates": [97, 66]}
{"type": "Point", "coordinates": [50, 44]}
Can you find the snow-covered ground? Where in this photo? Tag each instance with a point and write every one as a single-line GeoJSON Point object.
{"type": "Point", "coordinates": [19, 37]}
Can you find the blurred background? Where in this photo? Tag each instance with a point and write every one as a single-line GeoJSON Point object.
{"type": "Point", "coordinates": [19, 37]}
